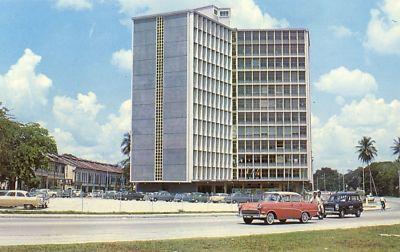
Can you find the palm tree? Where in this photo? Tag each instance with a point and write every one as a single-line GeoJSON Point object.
{"type": "Point", "coordinates": [126, 151]}
{"type": "Point", "coordinates": [396, 148]}
{"type": "Point", "coordinates": [126, 144]}
{"type": "Point", "coordinates": [366, 153]}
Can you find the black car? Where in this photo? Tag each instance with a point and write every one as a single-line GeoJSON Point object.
{"type": "Point", "coordinates": [130, 195]}
{"type": "Point", "coordinates": [162, 195]}
{"type": "Point", "coordinates": [343, 203]}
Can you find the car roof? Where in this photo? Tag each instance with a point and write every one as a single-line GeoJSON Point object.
{"type": "Point", "coordinates": [283, 193]}
{"type": "Point", "coordinates": [20, 191]}
{"type": "Point", "coordinates": [345, 193]}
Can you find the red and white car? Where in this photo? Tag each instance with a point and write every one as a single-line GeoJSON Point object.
{"type": "Point", "coordinates": [279, 206]}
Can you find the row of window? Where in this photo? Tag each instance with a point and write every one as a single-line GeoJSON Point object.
{"type": "Point", "coordinates": [272, 104]}
{"type": "Point", "coordinates": [270, 36]}
{"type": "Point", "coordinates": [272, 131]}
{"type": "Point", "coordinates": [211, 159]}
{"type": "Point", "coordinates": [271, 50]}
{"type": "Point", "coordinates": [211, 44]}
{"type": "Point", "coordinates": [211, 85]}
{"type": "Point", "coordinates": [211, 57]}
{"type": "Point", "coordinates": [211, 144]}
{"type": "Point", "coordinates": [212, 114]}
{"type": "Point", "coordinates": [291, 173]}
{"type": "Point", "coordinates": [271, 90]}
{"type": "Point", "coordinates": [271, 76]}
{"type": "Point", "coordinates": [211, 173]}
{"type": "Point", "coordinates": [95, 178]}
{"type": "Point", "coordinates": [211, 27]}
{"type": "Point", "coordinates": [271, 63]}
{"type": "Point", "coordinates": [269, 146]}
{"type": "Point", "coordinates": [269, 160]}
{"type": "Point", "coordinates": [272, 118]}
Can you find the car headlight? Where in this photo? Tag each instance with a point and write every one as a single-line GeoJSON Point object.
{"type": "Point", "coordinates": [337, 207]}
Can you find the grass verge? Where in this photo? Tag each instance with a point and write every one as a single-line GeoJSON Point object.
{"type": "Point", "coordinates": [358, 239]}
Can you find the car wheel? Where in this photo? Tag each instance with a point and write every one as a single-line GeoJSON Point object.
{"type": "Point", "coordinates": [304, 217]}
{"type": "Point", "coordinates": [358, 214]}
{"type": "Point", "coordinates": [282, 220]}
{"type": "Point", "coordinates": [341, 214]}
{"type": "Point", "coordinates": [248, 220]}
{"type": "Point", "coordinates": [234, 201]}
{"type": "Point", "coordinates": [53, 196]}
{"type": "Point", "coordinates": [155, 199]}
{"type": "Point", "coordinates": [196, 201]}
{"type": "Point", "coordinates": [270, 218]}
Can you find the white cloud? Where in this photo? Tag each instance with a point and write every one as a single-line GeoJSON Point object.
{"type": "Point", "coordinates": [21, 88]}
{"type": "Point", "coordinates": [80, 131]}
{"type": "Point", "coordinates": [334, 141]}
{"type": "Point", "coordinates": [340, 100]}
{"type": "Point", "coordinates": [74, 4]}
{"type": "Point", "coordinates": [245, 13]}
{"type": "Point", "coordinates": [344, 82]}
{"type": "Point", "coordinates": [122, 59]}
{"type": "Point", "coordinates": [341, 31]}
{"type": "Point", "coordinates": [383, 31]}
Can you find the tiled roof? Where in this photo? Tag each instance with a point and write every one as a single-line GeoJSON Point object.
{"type": "Point", "coordinates": [69, 159]}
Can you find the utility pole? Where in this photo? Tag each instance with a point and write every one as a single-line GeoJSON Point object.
{"type": "Point", "coordinates": [363, 177]}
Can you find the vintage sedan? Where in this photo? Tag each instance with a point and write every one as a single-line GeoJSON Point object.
{"type": "Point", "coordinates": [15, 198]}
{"type": "Point", "coordinates": [343, 203]}
{"type": "Point", "coordinates": [279, 206]}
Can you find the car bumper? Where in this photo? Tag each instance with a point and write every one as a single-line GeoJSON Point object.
{"type": "Point", "coordinates": [252, 215]}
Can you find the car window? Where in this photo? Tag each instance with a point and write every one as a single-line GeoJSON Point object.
{"type": "Point", "coordinates": [285, 198]}
{"type": "Point", "coordinates": [295, 198]}
{"type": "Point", "coordinates": [12, 194]}
{"type": "Point", "coordinates": [20, 194]}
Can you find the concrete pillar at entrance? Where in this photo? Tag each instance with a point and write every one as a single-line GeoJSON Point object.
{"type": "Point", "coordinates": [225, 188]}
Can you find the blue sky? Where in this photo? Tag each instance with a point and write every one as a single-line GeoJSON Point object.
{"type": "Point", "coordinates": [65, 64]}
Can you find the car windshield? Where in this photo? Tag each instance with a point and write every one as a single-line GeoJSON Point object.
{"type": "Point", "coordinates": [271, 197]}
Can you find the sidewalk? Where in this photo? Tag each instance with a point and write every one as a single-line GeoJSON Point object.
{"type": "Point", "coordinates": [116, 215]}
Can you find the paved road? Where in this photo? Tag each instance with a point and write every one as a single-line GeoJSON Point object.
{"type": "Point", "coordinates": [46, 229]}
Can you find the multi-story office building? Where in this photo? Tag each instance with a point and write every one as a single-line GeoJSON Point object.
{"type": "Point", "coordinates": [272, 93]}
{"type": "Point", "coordinates": [181, 99]}
{"type": "Point", "coordinates": [215, 107]}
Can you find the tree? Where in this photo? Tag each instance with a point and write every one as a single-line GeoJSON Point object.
{"type": "Point", "coordinates": [23, 149]}
{"type": "Point", "coordinates": [126, 151]}
{"type": "Point", "coordinates": [396, 148]}
{"type": "Point", "coordinates": [328, 179]}
{"type": "Point", "coordinates": [366, 153]}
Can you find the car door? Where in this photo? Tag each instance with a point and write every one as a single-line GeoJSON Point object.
{"type": "Point", "coordinates": [8, 198]}
{"type": "Point", "coordinates": [296, 206]}
{"type": "Point", "coordinates": [20, 199]}
{"type": "Point", "coordinates": [284, 208]}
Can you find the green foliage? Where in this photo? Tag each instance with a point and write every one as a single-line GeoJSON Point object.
{"type": "Point", "coordinates": [23, 148]}
{"type": "Point", "coordinates": [328, 179]}
{"type": "Point", "coordinates": [366, 150]}
{"type": "Point", "coordinates": [126, 150]}
{"type": "Point", "coordinates": [396, 148]}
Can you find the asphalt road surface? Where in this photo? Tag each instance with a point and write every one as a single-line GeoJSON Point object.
{"type": "Point", "coordinates": [17, 230]}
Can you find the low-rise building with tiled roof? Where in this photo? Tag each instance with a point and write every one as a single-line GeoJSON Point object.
{"type": "Point", "coordinates": [67, 171]}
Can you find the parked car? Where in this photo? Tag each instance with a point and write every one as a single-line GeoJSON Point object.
{"type": "Point", "coordinates": [180, 197]}
{"type": "Point", "coordinates": [279, 206]}
{"type": "Point", "coordinates": [66, 193]}
{"type": "Point", "coordinates": [78, 193]}
{"type": "Point", "coordinates": [370, 198]}
{"type": "Point", "coordinates": [198, 197]}
{"type": "Point", "coordinates": [53, 193]}
{"type": "Point", "coordinates": [218, 198]}
{"type": "Point", "coordinates": [42, 193]}
{"type": "Point", "coordinates": [162, 195]}
{"type": "Point", "coordinates": [131, 195]}
{"type": "Point", "coordinates": [3, 192]}
{"type": "Point", "coordinates": [238, 197]}
{"type": "Point", "coordinates": [15, 198]}
{"type": "Point", "coordinates": [109, 194]}
{"type": "Point", "coordinates": [148, 195]}
{"type": "Point", "coordinates": [344, 203]}
{"type": "Point", "coordinates": [96, 194]}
